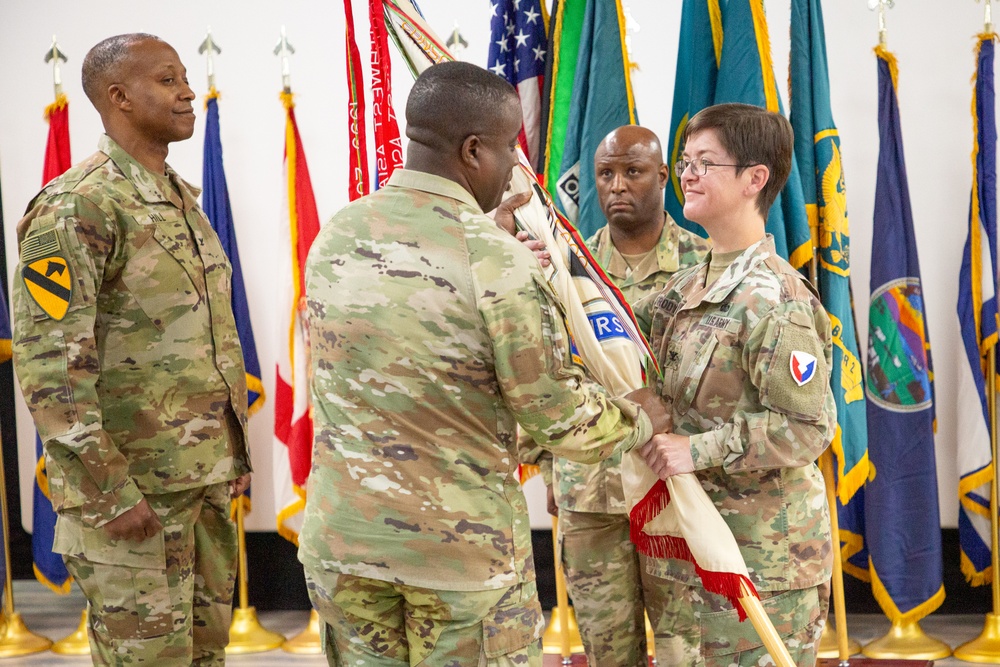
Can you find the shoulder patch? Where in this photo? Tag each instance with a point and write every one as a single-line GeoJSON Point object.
{"type": "Point", "coordinates": [49, 281]}
{"type": "Point", "coordinates": [803, 366]}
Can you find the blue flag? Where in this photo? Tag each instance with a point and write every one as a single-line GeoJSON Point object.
{"type": "Point", "coordinates": [49, 567]}
{"type": "Point", "coordinates": [817, 152]}
{"type": "Point", "coordinates": [746, 75]}
{"type": "Point", "coordinates": [977, 318]}
{"type": "Point", "coordinates": [901, 499]}
{"type": "Point", "coordinates": [215, 202]}
{"type": "Point", "coordinates": [4, 329]}
{"type": "Point", "coordinates": [699, 51]}
{"type": "Point", "coordinates": [602, 101]}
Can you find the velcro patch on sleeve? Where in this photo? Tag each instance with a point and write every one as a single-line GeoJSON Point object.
{"type": "Point", "coordinates": [797, 377]}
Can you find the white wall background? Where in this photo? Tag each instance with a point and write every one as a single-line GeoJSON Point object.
{"type": "Point", "coordinates": [933, 40]}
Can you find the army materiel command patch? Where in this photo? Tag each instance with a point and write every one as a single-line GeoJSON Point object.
{"type": "Point", "coordinates": [50, 283]}
{"type": "Point", "coordinates": [803, 366]}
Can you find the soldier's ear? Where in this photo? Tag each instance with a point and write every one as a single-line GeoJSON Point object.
{"type": "Point", "coordinates": [118, 97]}
{"type": "Point", "coordinates": [470, 149]}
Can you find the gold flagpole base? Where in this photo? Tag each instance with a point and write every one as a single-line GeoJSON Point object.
{"type": "Point", "coordinates": [306, 642]}
{"type": "Point", "coordinates": [19, 640]}
{"type": "Point", "coordinates": [828, 644]}
{"type": "Point", "coordinates": [907, 642]}
{"type": "Point", "coordinates": [246, 635]}
{"type": "Point", "coordinates": [77, 643]}
{"type": "Point", "coordinates": [985, 647]}
{"type": "Point", "coordinates": [552, 639]}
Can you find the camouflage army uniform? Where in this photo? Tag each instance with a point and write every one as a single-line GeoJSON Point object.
{"type": "Point", "coordinates": [726, 352]}
{"type": "Point", "coordinates": [433, 334]}
{"type": "Point", "coordinates": [604, 573]}
{"type": "Point", "coordinates": [127, 353]}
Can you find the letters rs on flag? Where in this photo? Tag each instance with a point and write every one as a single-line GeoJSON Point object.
{"type": "Point", "coordinates": [518, 48]}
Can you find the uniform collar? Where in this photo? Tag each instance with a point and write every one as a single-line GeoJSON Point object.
{"type": "Point", "coordinates": [667, 253]}
{"type": "Point", "coordinates": [153, 188]}
{"type": "Point", "coordinates": [435, 185]}
{"type": "Point", "coordinates": [737, 271]}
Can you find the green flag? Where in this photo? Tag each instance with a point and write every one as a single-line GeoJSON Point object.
{"type": "Point", "coordinates": [565, 27]}
{"type": "Point", "coordinates": [817, 152]}
{"type": "Point", "coordinates": [746, 74]}
{"type": "Point", "coordinates": [601, 101]}
{"type": "Point", "coordinates": [699, 51]}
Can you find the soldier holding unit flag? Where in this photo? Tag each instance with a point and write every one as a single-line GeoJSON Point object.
{"type": "Point", "coordinates": [127, 352]}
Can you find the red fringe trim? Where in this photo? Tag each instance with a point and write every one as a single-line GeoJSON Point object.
{"type": "Point", "coordinates": [656, 499]}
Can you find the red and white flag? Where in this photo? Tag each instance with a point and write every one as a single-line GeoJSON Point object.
{"type": "Point", "coordinates": [293, 428]}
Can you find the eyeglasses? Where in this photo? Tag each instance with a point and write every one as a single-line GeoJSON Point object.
{"type": "Point", "coordinates": [700, 167]}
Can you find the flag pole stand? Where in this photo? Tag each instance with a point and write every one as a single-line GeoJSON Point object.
{"type": "Point", "coordinates": [77, 643]}
{"type": "Point", "coordinates": [843, 648]}
{"type": "Point", "coordinates": [986, 647]}
{"type": "Point", "coordinates": [246, 634]}
{"type": "Point", "coordinates": [17, 638]}
{"type": "Point", "coordinates": [828, 644]}
{"type": "Point", "coordinates": [563, 634]}
{"type": "Point", "coordinates": [306, 642]}
{"type": "Point", "coordinates": [906, 641]}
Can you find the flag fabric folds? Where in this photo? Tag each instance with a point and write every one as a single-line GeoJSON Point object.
{"type": "Point", "coordinates": [388, 146]}
{"type": "Point", "coordinates": [699, 51]}
{"type": "Point", "coordinates": [977, 318]}
{"type": "Point", "coordinates": [358, 146]}
{"type": "Point", "coordinates": [817, 152]}
{"type": "Point", "coordinates": [293, 430]}
{"type": "Point", "coordinates": [518, 44]}
{"type": "Point", "coordinates": [669, 519]}
{"type": "Point", "coordinates": [901, 500]}
{"type": "Point", "coordinates": [746, 75]}
{"type": "Point", "coordinates": [601, 101]}
{"type": "Point", "coordinates": [49, 567]}
{"type": "Point", "coordinates": [565, 27]}
{"type": "Point", "coordinates": [215, 202]}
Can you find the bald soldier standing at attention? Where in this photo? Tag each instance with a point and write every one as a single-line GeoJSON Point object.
{"type": "Point", "coordinates": [126, 350]}
{"type": "Point", "coordinates": [640, 248]}
{"type": "Point", "coordinates": [433, 334]}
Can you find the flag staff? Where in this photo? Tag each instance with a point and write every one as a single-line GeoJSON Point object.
{"type": "Point", "coordinates": [208, 46]}
{"type": "Point", "coordinates": [283, 49]}
{"type": "Point", "coordinates": [17, 638]}
{"type": "Point", "coordinates": [986, 647]}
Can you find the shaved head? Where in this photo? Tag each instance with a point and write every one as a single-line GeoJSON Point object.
{"type": "Point", "coordinates": [104, 64]}
{"type": "Point", "coordinates": [453, 100]}
{"type": "Point", "coordinates": [631, 137]}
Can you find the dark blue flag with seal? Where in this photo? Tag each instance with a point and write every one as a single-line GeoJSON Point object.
{"type": "Point", "coordinates": [903, 527]}
{"type": "Point", "coordinates": [215, 202]}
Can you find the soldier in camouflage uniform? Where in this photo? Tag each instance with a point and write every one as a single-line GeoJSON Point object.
{"type": "Point", "coordinates": [640, 248]}
{"type": "Point", "coordinates": [745, 350]}
{"type": "Point", "coordinates": [432, 335]}
{"type": "Point", "coordinates": [127, 353]}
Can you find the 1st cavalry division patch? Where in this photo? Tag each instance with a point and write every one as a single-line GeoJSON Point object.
{"type": "Point", "coordinates": [50, 284]}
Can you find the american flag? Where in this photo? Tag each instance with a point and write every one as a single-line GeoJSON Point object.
{"type": "Point", "coordinates": [518, 45]}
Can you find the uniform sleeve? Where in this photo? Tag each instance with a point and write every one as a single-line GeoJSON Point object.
{"type": "Point", "coordinates": [57, 358]}
{"type": "Point", "coordinates": [787, 358]}
{"type": "Point", "coordinates": [553, 399]}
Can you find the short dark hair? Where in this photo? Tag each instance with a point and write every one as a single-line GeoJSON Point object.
{"type": "Point", "coordinates": [452, 100]}
{"type": "Point", "coordinates": [104, 59]}
{"type": "Point", "coordinates": [751, 135]}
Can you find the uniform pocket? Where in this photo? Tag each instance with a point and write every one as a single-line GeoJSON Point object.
{"type": "Point", "coordinates": [691, 375]}
{"type": "Point", "coordinates": [722, 633]}
{"type": "Point", "coordinates": [157, 278]}
{"type": "Point", "coordinates": [514, 623]}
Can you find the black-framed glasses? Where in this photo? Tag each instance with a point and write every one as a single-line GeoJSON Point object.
{"type": "Point", "coordinates": [700, 167]}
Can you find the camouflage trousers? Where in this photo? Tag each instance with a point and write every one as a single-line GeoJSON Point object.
{"type": "Point", "coordinates": [697, 628]}
{"type": "Point", "coordinates": [382, 624]}
{"type": "Point", "coordinates": [607, 580]}
{"type": "Point", "coordinates": [165, 601]}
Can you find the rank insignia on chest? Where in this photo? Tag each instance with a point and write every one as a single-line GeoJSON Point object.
{"type": "Point", "coordinates": [803, 366]}
{"type": "Point", "coordinates": [50, 284]}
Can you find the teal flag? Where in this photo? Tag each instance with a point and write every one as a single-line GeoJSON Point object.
{"type": "Point", "coordinates": [817, 152]}
{"type": "Point", "coordinates": [698, 53]}
{"type": "Point", "coordinates": [746, 74]}
{"type": "Point", "coordinates": [602, 101]}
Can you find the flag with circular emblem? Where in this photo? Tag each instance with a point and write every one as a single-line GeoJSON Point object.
{"type": "Point", "coordinates": [50, 283]}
